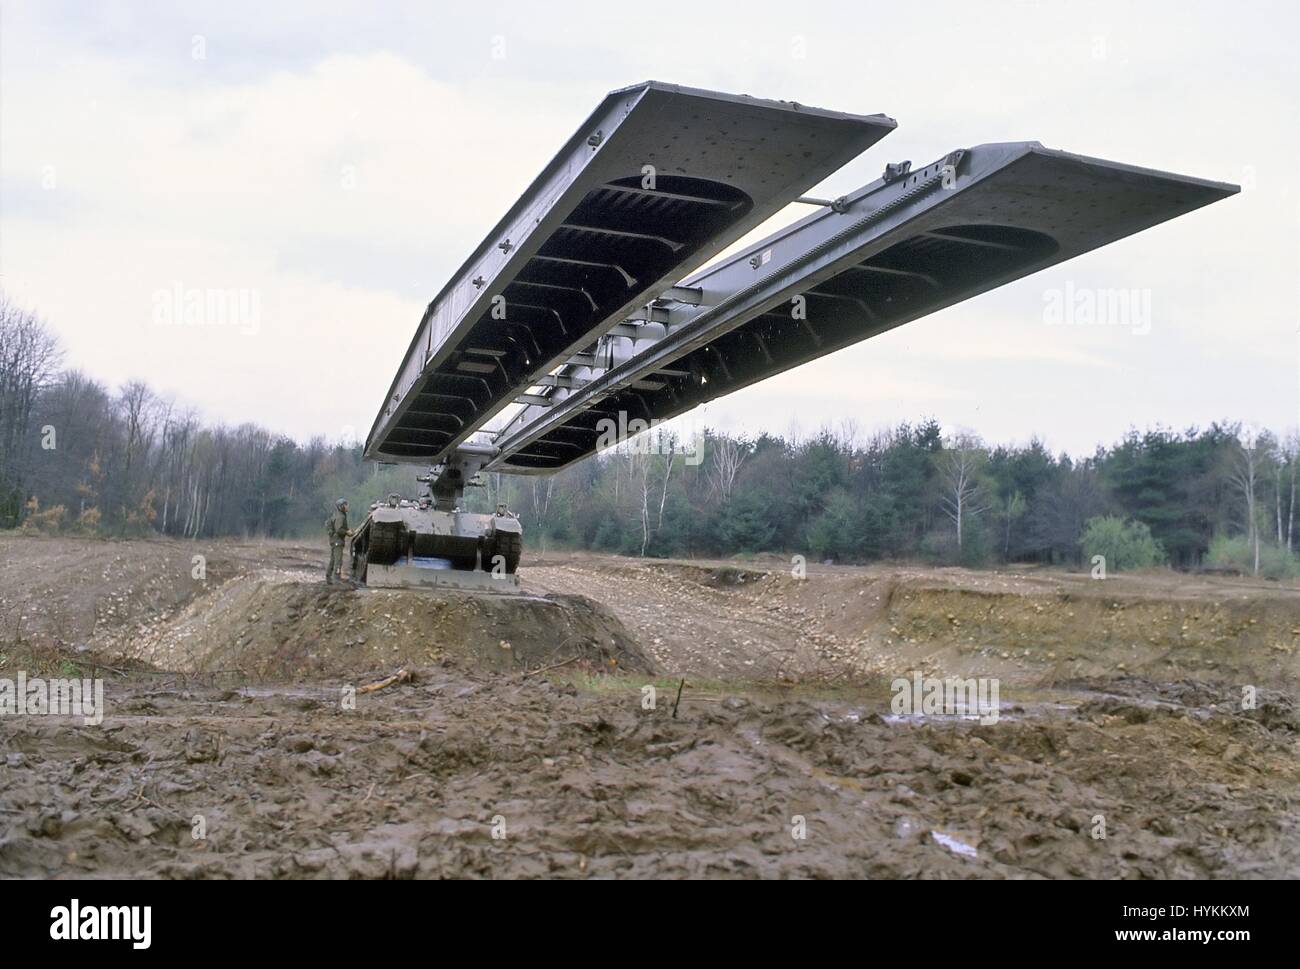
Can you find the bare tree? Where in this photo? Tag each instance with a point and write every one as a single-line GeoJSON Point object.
{"type": "Point", "coordinates": [849, 433]}
{"type": "Point", "coordinates": [669, 460]}
{"type": "Point", "coordinates": [643, 482]}
{"type": "Point", "coordinates": [1291, 454]}
{"type": "Point", "coordinates": [1015, 507]}
{"type": "Point", "coordinates": [959, 465]}
{"type": "Point", "coordinates": [1284, 458]}
{"type": "Point", "coordinates": [541, 508]}
{"type": "Point", "coordinates": [29, 361]}
{"type": "Point", "coordinates": [726, 456]}
{"type": "Point", "coordinates": [136, 403]}
{"type": "Point", "coordinates": [1244, 475]}
{"type": "Point", "coordinates": [1277, 499]}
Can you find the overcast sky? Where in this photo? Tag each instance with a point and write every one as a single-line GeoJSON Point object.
{"type": "Point", "coordinates": [337, 161]}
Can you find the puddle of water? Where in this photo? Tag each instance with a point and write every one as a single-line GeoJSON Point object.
{"type": "Point", "coordinates": [956, 846]}
{"type": "Point", "coordinates": [266, 691]}
{"type": "Point", "coordinates": [931, 717]}
{"type": "Point", "coordinates": [971, 715]}
{"type": "Point", "coordinates": [963, 714]}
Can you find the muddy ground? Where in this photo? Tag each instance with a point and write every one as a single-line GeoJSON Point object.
{"type": "Point", "coordinates": [525, 742]}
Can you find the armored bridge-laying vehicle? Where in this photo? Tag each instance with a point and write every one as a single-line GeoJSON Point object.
{"type": "Point", "coordinates": [431, 541]}
{"type": "Point", "coordinates": [578, 306]}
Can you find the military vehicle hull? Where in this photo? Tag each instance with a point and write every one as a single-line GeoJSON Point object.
{"type": "Point", "coordinates": [415, 545]}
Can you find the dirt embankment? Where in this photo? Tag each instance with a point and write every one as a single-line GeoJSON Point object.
{"type": "Point", "coordinates": [261, 609]}
{"type": "Point", "coordinates": [1065, 634]}
{"type": "Point", "coordinates": [1033, 628]}
{"type": "Point", "coordinates": [64, 593]}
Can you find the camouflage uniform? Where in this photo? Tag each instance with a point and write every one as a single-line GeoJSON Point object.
{"type": "Point", "coordinates": [336, 529]}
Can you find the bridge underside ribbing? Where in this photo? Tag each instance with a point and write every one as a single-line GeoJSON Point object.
{"type": "Point", "coordinates": [896, 250]}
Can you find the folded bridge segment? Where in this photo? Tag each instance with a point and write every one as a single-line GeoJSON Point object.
{"type": "Point", "coordinates": [656, 181]}
{"type": "Point", "coordinates": [908, 244]}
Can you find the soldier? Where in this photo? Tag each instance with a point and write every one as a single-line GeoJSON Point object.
{"type": "Point", "coordinates": [336, 530]}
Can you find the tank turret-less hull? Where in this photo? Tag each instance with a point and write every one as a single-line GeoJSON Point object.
{"type": "Point", "coordinates": [411, 546]}
{"type": "Point", "coordinates": [434, 541]}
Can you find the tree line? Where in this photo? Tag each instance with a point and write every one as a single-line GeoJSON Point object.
{"type": "Point", "coordinates": [1220, 497]}
{"type": "Point", "coordinates": [76, 456]}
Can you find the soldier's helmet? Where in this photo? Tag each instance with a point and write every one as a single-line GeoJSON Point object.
{"type": "Point", "coordinates": [341, 504]}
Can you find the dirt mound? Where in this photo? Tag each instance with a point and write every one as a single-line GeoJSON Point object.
{"type": "Point", "coordinates": [282, 625]}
